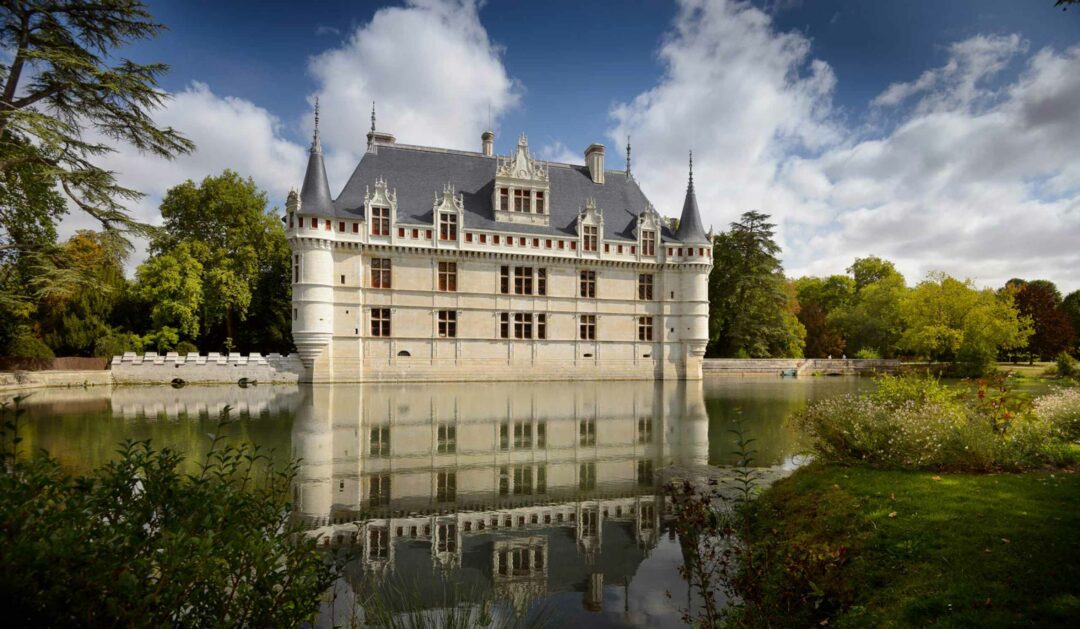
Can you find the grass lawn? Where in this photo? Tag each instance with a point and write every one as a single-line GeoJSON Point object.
{"type": "Point", "coordinates": [920, 549]}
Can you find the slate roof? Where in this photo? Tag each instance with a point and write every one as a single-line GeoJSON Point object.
{"type": "Point", "coordinates": [417, 173]}
{"type": "Point", "coordinates": [690, 228]}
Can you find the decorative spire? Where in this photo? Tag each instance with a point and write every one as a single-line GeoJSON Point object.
{"type": "Point", "coordinates": [691, 169]}
{"type": "Point", "coordinates": [628, 156]}
{"type": "Point", "coordinates": [690, 226]}
{"type": "Point", "coordinates": [316, 144]}
{"type": "Point", "coordinates": [373, 116]}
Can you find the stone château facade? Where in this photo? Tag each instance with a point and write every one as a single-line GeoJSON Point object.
{"type": "Point", "coordinates": [436, 264]}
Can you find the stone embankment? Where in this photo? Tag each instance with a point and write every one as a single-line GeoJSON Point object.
{"type": "Point", "coordinates": [213, 368]}
{"type": "Point", "coordinates": [796, 366]}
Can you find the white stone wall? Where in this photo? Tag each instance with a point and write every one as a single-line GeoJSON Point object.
{"type": "Point", "coordinates": [151, 368]}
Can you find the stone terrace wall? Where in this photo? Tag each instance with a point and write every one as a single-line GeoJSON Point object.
{"type": "Point", "coordinates": [153, 368]}
{"type": "Point", "coordinates": [802, 366]}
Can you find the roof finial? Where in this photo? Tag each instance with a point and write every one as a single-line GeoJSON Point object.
{"type": "Point", "coordinates": [316, 145]}
{"type": "Point", "coordinates": [628, 155]}
{"type": "Point", "coordinates": [691, 168]}
{"type": "Point", "coordinates": [373, 116]}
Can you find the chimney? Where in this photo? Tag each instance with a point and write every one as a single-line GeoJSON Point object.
{"type": "Point", "coordinates": [487, 140]}
{"type": "Point", "coordinates": [594, 159]}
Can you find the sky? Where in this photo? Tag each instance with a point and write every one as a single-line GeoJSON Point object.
{"type": "Point", "coordinates": [944, 136]}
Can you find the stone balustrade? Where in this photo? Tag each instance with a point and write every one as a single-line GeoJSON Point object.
{"type": "Point", "coordinates": [153, 368]}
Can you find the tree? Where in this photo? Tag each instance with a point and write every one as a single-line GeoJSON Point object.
{"type": "Point", "coordinates": [1071, 305]}
{"type": "Point", "coordinates": [59, 83]}
{"type": "Point", "coordinates": [1052, 330]}
{"type": "Point", "coordinates": [949, 320]}
{"type": "Point", "coordinates": [818, 299]}
{"type": "Point", "coordinates": [871, 320]}
{"type": "Point", "coordinates": [240, 244]}
{"type": "Point", "coordinates": [752, 307]}
{"type": "Point", "coordinates": [170, 284]}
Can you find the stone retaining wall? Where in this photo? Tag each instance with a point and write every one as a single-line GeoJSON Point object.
{"type": "Point", "coordinates": [217, 368]}
{"type": "Point", "coordinates": [802, 366]}
{"type": "Point", "coordinates": [16, 380]}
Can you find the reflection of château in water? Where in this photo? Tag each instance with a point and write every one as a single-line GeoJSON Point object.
{"type": "Point", "coordinates": [522, 489]}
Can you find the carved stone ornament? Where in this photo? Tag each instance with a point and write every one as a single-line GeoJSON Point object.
{"type": "Point", "coordinates": [521, 164]}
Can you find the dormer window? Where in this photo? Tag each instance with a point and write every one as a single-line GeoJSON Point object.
{"type": "Point", "coordinates": [521, 200]}
{"type": "Point", "coordinates": [539, 201]}
{"type": "Point", "coordinates": [504, 199]}
{"type": "Point", "coordinates": [380, 221]}
{"type": "Point", "coordinates": [447, 226]}
{"type": "Point", "coordinates": [588, 233]}
{"type": "Point", "coordinates": [648, 242]}
{"type": "Point", "coordinates": [521, 188]}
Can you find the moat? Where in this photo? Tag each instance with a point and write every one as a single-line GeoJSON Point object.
{"type": "Point", "coordinates": [538, 496]}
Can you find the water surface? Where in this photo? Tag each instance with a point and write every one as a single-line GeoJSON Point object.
{"type": "Point", "coordinates": [535, 495]}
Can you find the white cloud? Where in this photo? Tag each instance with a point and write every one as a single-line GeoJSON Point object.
{"type": "Point", "coordinates": [432, 72]}
{"type": "Point", "coordinates": [976, 175]}
{"type": "Point", "coordinates": [560, 153]}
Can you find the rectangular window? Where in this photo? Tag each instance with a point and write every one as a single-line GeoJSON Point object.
{"type": "Point", "coordinates": [504, 325]}
{"type": "Point", "coordinates": [523, 280]}
{"type": "Point", "coordinates": [539, 202]}
{"type": "Point", "coordinates": [447, 443]}
{"type": "Point", "coordinates": [380, 441]}
{"type": "Point", "coordinates": [541, 326]}
{"type": "Point", "coordinates": [504, 484]}
{"type": "Point", "coordinates": [541, 434]}
{"type": "Point", "coordinates": [644, 329]}
{"type": "Point", "coordinates": [504, 199]}
{"type": "Point", "coordinates": [504, 436]}
{"type": "Point", "coordinates": [523, 325]}
{"type": "Point", "coordinates": [483, 239]}
{"type": "Point", "coordinates": [341, 226]}
{"type": "Point", "coordinates": [296, 268]}
{"type": "Point", "coordinates": [541, 281]}
{"type": "Point", "coordinates": [415, 233]}
{"type": "Point", "coordinates": [314, 223]}
{"type": "Point", "coordinates": [327, 225]}
{"type": "Point", "coordinates": [562, 244]}
{"type": "Point", "coordinates": [380, 322]}
{"type": "Point", "coordinates": [587, 432]}
{"type": "Point", "coordinates": [468, 236]}
{"type": "Point", "coordinates": [588, 284]}
{"type": "Point", "coordinates": [648, 242]}
{"type": "Point", "coordinates": [504, 280]}
{"type": "Point", "coordinates": [523, 435]}
{"type": "Point", "coordinates": [380, 489]}
{"type": "Point", "coordinates": [495, 239]}
{"type": "Point", "coordinates": [588, 327]}
{"type": "Point", "coordinates": [644, 472]}
{"type": "Point", "coordinates": [380, 221]}
{"type": "Point", "coordinates": [356, 228]}
{"type": "Point", "coordinates": [380, 272]}
{"type": "Point", "coordinates": [523, 481]}
{"type": "Point", "coordinates": [379, 543]}
{"type": "Point", "coordinates": [448, 276]}
{"type": "Point", "coordinates": [589, 240]}
{"type": "Point", "coordinates": [587, 476]}
{"type": "Point", "coordinates": [447, 226]}
{"type": "Point", "coordinates": [521, 200]}
{"type": "Point", "coordinates": [427, 234]}
{"type": "Point", "coordinates": [342, 279]}
{"type": "Point", "coordinates": [447, 324]}
{"type": "Point", "coordinates": [644, 286]}
{"type": "Point", "coordinates": [644, 430]}
{"type": "Point", "coordinates": [446, 488]}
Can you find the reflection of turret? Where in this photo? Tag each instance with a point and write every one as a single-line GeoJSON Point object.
{"type": "Point", "coordinates": [313, 443]}
{"type": "Point", "coordinates": [593, 598]}
{"type": "Point", "coordinates": [693, 424]}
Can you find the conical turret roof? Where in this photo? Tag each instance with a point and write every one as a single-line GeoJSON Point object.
{"type": "Point", "coordinates": [315, 193]}
{"type": "Point", "coordinates": [690, 228]}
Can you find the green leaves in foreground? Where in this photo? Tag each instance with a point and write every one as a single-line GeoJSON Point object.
{"type": "Point", "coordinates": [137, 543]}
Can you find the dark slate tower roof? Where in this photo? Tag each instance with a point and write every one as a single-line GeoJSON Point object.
{"type": "Point", "coordinates": [690, 227]}
{"type": "Point", "coordinates": [315, 193]}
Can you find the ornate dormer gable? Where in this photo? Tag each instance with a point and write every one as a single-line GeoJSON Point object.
{"type": "Point", "coordinates": [380, 207]}
{"type": "Point", "coordinates": [522, 191]}
{"type": "Point", "coordinates": [448, 214]}
{"type": "Point", "coordinates": [649, 226]}
{"type": "Point", "coordinates": [590, 226]}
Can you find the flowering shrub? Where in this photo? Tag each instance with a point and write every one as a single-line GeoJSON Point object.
{"type": "Point", "coordinates": [1061, 410]}
{"type": "Point", "coordinates": [915, 422]}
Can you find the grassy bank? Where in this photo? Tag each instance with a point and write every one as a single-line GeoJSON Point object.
{"type": "Point", "coordinates": [867, 547]}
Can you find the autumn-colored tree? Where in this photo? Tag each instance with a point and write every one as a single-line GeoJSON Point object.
{"type": "Point", "coordinates": [1052, 330]}
{"type": "Point", "coordinates": [1071, 305]}
{"type": "Point", "coordinates": [818, 299]}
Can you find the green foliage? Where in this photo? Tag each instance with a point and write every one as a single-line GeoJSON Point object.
{"type": "Point", "coordinates": [139, 543]}
{"type": "Point", "coordinates": [867, 353]}
{"type": "Point", "coordinates": [1071, 306]}
{"type": "Point", "coordinates": [949, 320]}
{"type": "Point", "coordinates": [872, 318]}
{"type": "Point", "coordinates": [171, 284]}
{"type": "Point", "coordinates": [26, 346]}
{"type": "Point", "coordinates": [752, 307]}
{"type": "Point", "coordinates": [819, 301]}
{"type": "Point", "coordinates": [1067, 366]}
{"type": "Point", "coordinates": [164, 339]}
{"type": "Point", "coordinates": [185, 347]}
{"type": "Point", "coordinates": [915, 422]}
{"type": "Point", "coordinates": [115, 343]}
{"type": "Point", "coordinates": [858, 547]}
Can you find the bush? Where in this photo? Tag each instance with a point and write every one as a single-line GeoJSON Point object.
{"type": "Point", "coordinates": [139, 543]}
{"type": "Point", "coordinates": [915, 422]}
{"type": "Point", "coordinates": [115, 343]}
{"type": "Point", "coordinates": [867, 353]}
{"type": "Point", "coordinates": [186, 347]}
{"type": "Point", "coordinates": [1061, 410]}
{"type": "Point", "coordinates": [1067, 366]}
{"type": "Point", "coordinates": [27, 346]}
